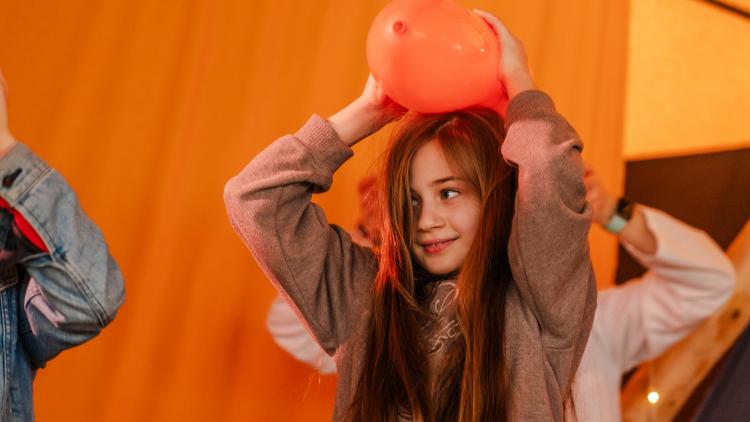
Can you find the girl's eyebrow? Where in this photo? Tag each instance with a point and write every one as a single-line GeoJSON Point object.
{"type": "Point", "coordinates": [446, 180]}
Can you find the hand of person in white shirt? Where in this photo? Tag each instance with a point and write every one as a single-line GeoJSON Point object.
{"type": "Point", "coordinates": [635, 232]}
{"type": "Point", "coordinates": [6, 139]}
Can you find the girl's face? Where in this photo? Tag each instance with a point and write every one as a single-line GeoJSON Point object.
{"type": "Point", "coordinates": [445, 211]}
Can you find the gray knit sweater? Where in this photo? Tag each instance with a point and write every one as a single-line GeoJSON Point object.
{"type": "Point", "coordinates": [328, 279]}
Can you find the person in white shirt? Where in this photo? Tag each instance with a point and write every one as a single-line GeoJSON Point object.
{"type": "Point", "coordinates": [688, 279]}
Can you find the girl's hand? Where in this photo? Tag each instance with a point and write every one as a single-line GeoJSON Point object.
{"type": "Point", "coordinates": [602, 202]}
{"type": "Point", "coordinates": [514, 70]}
{"type": "Point", "coordinates": [6, 139]}
{"type": "Point", "coordinates": [367, 114]}
{"type": "Point", "coordinates": [376, 98]}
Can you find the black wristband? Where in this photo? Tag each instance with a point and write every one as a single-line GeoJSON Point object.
{"type": "Point", "coordinates": [625, 208]}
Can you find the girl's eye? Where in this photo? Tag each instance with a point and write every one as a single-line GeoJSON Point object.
{"type": "Point", "coordinates": [448, 194]}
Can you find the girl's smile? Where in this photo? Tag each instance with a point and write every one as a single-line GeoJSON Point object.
{"type": "Point", "coordinates": [435, 247]}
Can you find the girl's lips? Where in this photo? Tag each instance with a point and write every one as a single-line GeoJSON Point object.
{"type": "Point", "coordinates": [437, 247]}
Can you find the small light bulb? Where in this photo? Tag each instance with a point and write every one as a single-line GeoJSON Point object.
{"type": "Point", "coordinates": [653, 397]}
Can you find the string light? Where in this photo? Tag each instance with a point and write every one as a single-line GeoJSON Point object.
{"type": "Point", "coordinates": [653, 397]}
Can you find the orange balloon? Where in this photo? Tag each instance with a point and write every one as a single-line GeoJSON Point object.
{"type": "Point", "coordinates": [434, 56]}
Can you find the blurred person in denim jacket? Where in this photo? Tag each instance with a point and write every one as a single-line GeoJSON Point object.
{"type": "Point", "coordinates": [59, 286]}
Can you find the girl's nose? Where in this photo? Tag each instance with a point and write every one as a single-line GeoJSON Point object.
{"type": "Point", "coordinates": [429, 218]}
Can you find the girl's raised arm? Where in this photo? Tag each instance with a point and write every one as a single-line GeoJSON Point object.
{"type": "Point", "coordinates": [316, 265]}
{"type": "Point", "coordinates": [548, 248]}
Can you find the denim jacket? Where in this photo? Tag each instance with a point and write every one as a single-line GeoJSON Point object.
{"type": "Point", "coordinates": [49, 301]}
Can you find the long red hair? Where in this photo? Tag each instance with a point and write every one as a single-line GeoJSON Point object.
{"type": "Point", "coordinates": [471, 385]}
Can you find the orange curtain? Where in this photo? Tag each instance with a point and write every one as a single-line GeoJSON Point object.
{"type": "Point", "coordinates": [148, 107]}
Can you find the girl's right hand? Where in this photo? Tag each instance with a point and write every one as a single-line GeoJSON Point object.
{"type": "Point", "coordinates": [514, 70]}
{"type": "Point", "coordinates": [372, 110]}
{"type": "Point", "coordinates": [376, 98]}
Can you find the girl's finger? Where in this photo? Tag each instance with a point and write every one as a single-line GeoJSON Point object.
{"type": "Point", "coordinates": [496, 24]}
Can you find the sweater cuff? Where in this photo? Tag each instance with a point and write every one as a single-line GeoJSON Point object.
{"type": "Point", "coordinates": [324, 144]}
{"type": "Point", "coordinates": [528, 104]}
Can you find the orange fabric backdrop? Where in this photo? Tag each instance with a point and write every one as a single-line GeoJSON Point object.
{"type": "Point", "coordinates": [148, 107]}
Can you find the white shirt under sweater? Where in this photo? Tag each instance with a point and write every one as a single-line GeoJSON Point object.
{"type": "Point", "coordinates": [688, 279]}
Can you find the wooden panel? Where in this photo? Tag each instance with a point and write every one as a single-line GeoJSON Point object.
{"type": "Point", "coordinates": [681, 369]}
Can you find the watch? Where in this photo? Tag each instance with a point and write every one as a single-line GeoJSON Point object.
{"type": "Point", "coordinates": [621, 216]}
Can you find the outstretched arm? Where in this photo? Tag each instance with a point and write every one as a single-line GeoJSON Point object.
{"type": "Point", "coordinates": [688, 279]}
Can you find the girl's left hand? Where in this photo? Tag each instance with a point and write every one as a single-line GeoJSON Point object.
{"type": "Point", "coordinates": [513, 70]}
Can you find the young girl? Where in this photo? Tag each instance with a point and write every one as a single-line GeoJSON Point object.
{"type": "Point", "coordinates": [480, 301]}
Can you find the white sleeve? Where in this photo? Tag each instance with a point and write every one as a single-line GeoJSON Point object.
{"type": "Point", "coordinates": [290, 334]}
{"type": "Point", "coordinates": [688, 279]}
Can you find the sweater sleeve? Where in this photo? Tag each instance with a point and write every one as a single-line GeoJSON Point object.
{"type": "Point", "coordinates": [548, 248]}
{"type": "Point", "coordinates": [688, 279]}
{"type": "Point", "coordinates": [315, 265]}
